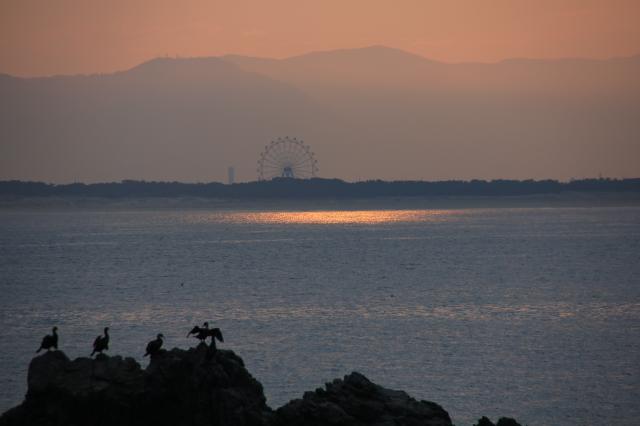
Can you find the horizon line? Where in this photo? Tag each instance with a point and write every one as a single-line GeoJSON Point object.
{"type": "Point", "coordinates": [123, 181]}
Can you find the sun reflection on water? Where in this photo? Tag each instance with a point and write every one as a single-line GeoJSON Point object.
{"type": "Point", "coordinates": [328, 217]}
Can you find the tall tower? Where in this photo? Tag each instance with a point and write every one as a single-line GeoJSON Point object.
{"type": "Point", "coordinates": [231, 174]}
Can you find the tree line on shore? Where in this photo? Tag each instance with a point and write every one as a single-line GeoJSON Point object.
{"type": "Point", "coordinates": [317, 188]}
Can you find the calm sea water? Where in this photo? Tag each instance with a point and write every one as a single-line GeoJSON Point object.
{"type": "Point", "coordinates": [532, 313]}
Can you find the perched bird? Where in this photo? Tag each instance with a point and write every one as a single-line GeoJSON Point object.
{"type": "Point", "coordinates": [212, 350]}
{"type": "Point", "coordinates": [201, 333]}
{"type": "Point", "coordinates": [101, 343]}
{"type": "Point", "coordinates": [215, 333]}
{"type": "Point", "coordinates": [49, 341]}
{"type": "Point", "coordinates": [154, 346]}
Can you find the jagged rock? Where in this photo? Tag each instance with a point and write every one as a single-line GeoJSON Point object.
{"type": "Point", "coordinates": [507, 421]}
{"type": "Point", "coordinates": [84, 376]}
{"type": "Point", "coordinates": [198, 387]}
{"type": "Point", "coordinates": [484, 421]}
{"type": "Point", "coordinates": [179, 387]}
{"type": "Point", "coordinates": [357, 401]}
{"type": "Point", "coordinates": [502, 421]}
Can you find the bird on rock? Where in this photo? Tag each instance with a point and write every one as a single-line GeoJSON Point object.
{"type": "Point", "coordinates": [154, 346]}
{"type": "Point", "coordinates": [212, 350]}
{"type": "Point", "coordinates": [215, 333]}
{"type": "Point", "coordinates": [49, 341]}
{"type": "Point", "coordinates": [101, 343]}
{"type": "Point", "coordinates": [200, 333]}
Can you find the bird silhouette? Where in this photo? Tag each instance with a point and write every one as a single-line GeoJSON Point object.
{"type": "Point", "coordinates": [101, 343]}
{"type": "Point", "coordinates": [212, 350]}
{"type": "Point", "coordinates": [200, 333]}
{"type": "Point", "coordinates": [214, 333]}
{"type": "Point", "coordinates": [154, 346]}
{"type": "Point", "coordinates": [49, 341]}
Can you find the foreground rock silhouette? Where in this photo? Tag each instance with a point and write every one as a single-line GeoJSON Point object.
{"type": "Point", "coordinates": [193, 387]}
{"type": "Point", "coordinates": [357, 401]}
{"type": "Point", "coordinates": [179, 387]}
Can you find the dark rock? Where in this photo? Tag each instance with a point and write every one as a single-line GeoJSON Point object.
{"type": "Point", "coordinates": [503, 421]}
{"type": "Point", "coordinates": [484, 421]}
{"type": "Point", "coordinates": [178, 388]}
{"type": "Point", "coordinates": [507, 421]}
{"type": "Point", "coordinates": [201, 387]}
{"type": "Point", "coordinates": [357, 401]}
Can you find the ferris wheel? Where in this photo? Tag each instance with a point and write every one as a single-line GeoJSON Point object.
{"type": "Point", "coordinates": [288, 158]}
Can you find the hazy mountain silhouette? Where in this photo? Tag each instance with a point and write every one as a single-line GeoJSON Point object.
{"type": "Point", "coordinates": [377, 66]}
{"type": "Point", "coordinates": [413, 117]}
{"type": "Point", "coordinates": [179, 118]}
{"type": "Point", "coordinates": [383, 67]}
{"type": "Point", "coordinates": [368, 113]}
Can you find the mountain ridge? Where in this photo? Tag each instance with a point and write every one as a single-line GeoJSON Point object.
{"type": "Point", "coordinates": [378, 48]}
{"type": "Point", "coordinates": [376, 112]}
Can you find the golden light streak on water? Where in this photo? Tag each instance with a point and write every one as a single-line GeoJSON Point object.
{"type": "Point", "coordinates": [328, 217]}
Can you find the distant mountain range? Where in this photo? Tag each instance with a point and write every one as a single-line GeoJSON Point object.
{"type": "Point", "coordinates": [382, 68]}
{"type": "Point", "coordinates": [368, 113]}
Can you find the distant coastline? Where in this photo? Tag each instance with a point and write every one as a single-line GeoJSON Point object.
{"type": "Point", "coordinates": [322, 194]}
{"type": "Point", "coordinates": [317, 188]}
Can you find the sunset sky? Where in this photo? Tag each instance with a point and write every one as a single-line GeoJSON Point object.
{"type": "Point", "coordinates": [88, 36]}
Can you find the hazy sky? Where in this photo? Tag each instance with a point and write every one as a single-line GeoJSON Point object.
{"type": "Point", "coordinates": [41, 37]}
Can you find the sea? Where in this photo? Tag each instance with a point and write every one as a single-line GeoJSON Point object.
{"type": "Point", "coordinates": [528, 312]}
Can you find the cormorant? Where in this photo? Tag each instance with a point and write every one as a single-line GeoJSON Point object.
{"type": "Point", "coordinates": [154, 346]}
{"type": "Point", "coordinates": [49, 341]}
{"type": "Point", "coordinates": [101, 343]}
{"type": "Point", "coordinates": [201, 333]}
{"type": "Point", "coordinates": [215, 333]}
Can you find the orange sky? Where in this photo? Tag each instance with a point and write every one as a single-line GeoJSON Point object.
{"type": "Point", "coordinates": [84, 36]}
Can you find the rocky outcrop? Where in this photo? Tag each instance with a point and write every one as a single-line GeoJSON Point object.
{"type": "Point", "coordinates": [198, 387]}
{"type": "Point", "coordinates": [177, 388]}
{"type": "Point", "coordinates": [357, 401]}
{"type": "Point", "coordinates": [502, 421]}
